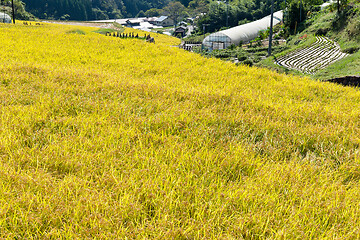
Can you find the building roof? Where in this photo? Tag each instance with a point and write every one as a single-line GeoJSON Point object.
{"type": "Point", "coordinates": [122, 21]}
{"type": "Point", "coordinates": [134, 21]}
{"type": "Point", "coordinates": [151, 19]}
{"type": "Point", "coordinates": [181, 27]}
{"type": "Point", "coordinates": [137, 23]}
{"type": "Point", "coordinates": [146, 26]}
{"type": "Point", "coordinates": [161, 18]}
{"type": "Point", "coordinates": [326, 4]}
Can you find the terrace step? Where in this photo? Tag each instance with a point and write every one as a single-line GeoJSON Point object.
{"type": "Point", "coordinates": [317, 56]}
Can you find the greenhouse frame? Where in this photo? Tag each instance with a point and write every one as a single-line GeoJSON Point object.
{"type": "Point", "coordinates": [4, 18]}
{"type": "Point", "coordinates": [243, 33]}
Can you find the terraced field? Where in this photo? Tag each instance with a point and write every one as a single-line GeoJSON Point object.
{"type": "Point", "coordinates": [319, 55]}
{"type": "Point", "coordinates": [116, 138]}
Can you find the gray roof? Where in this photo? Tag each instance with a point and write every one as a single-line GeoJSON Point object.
{"type": "Point", "coordinates": [182, 27]}
{"type": "Point", "coordinates": [4, 18]}
{"type": "Point", "coordinates": [162, 18]}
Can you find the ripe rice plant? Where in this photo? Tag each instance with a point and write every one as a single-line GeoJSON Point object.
{"type": "Point", "coordinates": [115, 138]}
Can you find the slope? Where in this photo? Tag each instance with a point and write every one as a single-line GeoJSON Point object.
{"type": "Point", "coordinates": [317, 56]}
{"type": "Point", "coordinates": [116, 138]}
{"type": "Point", "coordinates": [339, 28]}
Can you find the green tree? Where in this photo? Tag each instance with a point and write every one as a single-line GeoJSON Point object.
{"type": "Point", "coordinates": [175, 10]}
{"type": "Point", "coordinates": [297, 11]}
{"type": "Point", "coordinates": [154, 12]}
{"type": "Point", "coordinates": [141, 14]}
{"type": "Point", "coordinates": [19, 8]}
{"type": "Point", "coordinates": [341, 5]}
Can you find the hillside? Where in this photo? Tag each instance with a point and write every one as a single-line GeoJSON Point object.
{"type": "Point", "coordinates": [84, 10]}
{"type": "Point", "coordinates": [342, 31]}
{"type": "Point", "coordinates": [103, 137]}
{"type": "Point", "coordinates": [324, 46]}
{"type": "Point", "coordinates": [90, 9]}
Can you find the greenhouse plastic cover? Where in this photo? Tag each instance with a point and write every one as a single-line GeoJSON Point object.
{"type": "Point", "coordinates": [4, 18]}
{"type": "Point", "coordinates": [243, 33]}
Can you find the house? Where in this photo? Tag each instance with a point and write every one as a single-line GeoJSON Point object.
{"type": "Point", "coordinates": [180, 31]}
{"type": "Point", "coordinates": [133, 22]}
{"type": "Point", "coordinates": [182, 23]}
{"type": "Point", "coordinates": [164, 21]}
{"type": "Point", "coordinates": [152, 20]}
{"type": "Point", "coordinates": [123, 22]}
{"type": "Point", "coordinates": [190, 20]}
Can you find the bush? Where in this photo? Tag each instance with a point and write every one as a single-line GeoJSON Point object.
{"type": "Point", "coordinates": [248, 62]}
{"type": "Point", "coordinates": [353, 28]}
{"type": "Point", "coordinates": [232, 47]}
{"type": "Point", "coordinates": [77, 31]}
{"type": "Point", "coordinates": [241, 57]}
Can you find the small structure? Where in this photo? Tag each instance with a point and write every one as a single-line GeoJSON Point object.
{"type": "Point", "coordinates": [133, 22]}
{"type": "Point", "coordinates": [180, 31]}
{"type": "Point", "coordinates": [190, 20]}
{"type": "Point", "coordinates": [326, 4]}
{"type": "Point", "coordinates": [152, 20]}
{"type": "Point", "coordinates": [145, 24]}
{"type": "Point", "coordinates": [182, 23]}
{"type": "Point", "coordinates": [4, 18]}
{"type": "Point", "coordinates": [164, 21]}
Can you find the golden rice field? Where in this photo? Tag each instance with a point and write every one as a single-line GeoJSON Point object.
{"type": "Point", "coordinates": [109, 138]}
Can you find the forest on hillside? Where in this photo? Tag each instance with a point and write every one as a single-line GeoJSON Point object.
{"type": "Point", "coordinates": [109, 9]}
{"type": "Point", "coordinates": [215, 15]}
{"type": "Point", "coordinates": [89, 9]}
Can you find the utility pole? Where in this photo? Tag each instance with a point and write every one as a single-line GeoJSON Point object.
{"type": "Point", "coordinates": [3, 3]}
{"type": "Point", "coordinates": [204, 26]}
{"type": "Point", "coordinates": [13, 10]}
{"type": "Point", "coordinates": [227, 14]}
{"type": "Point", "coordinates": [271, 27]}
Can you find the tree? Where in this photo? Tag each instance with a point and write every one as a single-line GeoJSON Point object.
{"type": "Point", "coordinates": [199, 6]}
{"type": "Point", "coordinates": [185, 2]}
{"type": "Point", "coordinates": [141, 14]}
{"type": "Point", "coordinates": [19, 9]}
{"type": "Point", "coordinates": [154, 12]}
{"type": "Point", "coordinates": [175, 10]}
{"type": "Point", "coordinates": [297, 11]}
{"type": "Point", "coordinates": [341, 4]}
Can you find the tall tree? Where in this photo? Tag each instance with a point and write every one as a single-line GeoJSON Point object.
{"type": "Point", "coordinates": [175, 10]}
{"type": "Point", "coordinates": [296, 11]}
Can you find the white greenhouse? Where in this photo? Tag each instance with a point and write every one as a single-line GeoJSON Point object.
{"type": "Point", "coordinates": [243, 33]}
{"type": "Point", "coordinates": [4, 18]}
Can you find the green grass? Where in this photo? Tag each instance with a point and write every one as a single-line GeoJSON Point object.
{"type": "Point", "coordinates": [105, 30]}
{"type": "Point", "coordinates": [336, 28]}
{"type": "Point", "coordinates": [350, 66]}
{"type": "Point", "coordinates": [77, 31]}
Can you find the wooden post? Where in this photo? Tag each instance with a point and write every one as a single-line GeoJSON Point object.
{"type": "Point", "coordinates": [13, 10]}
{"type": "Point", "coordinates": [271, 27]}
